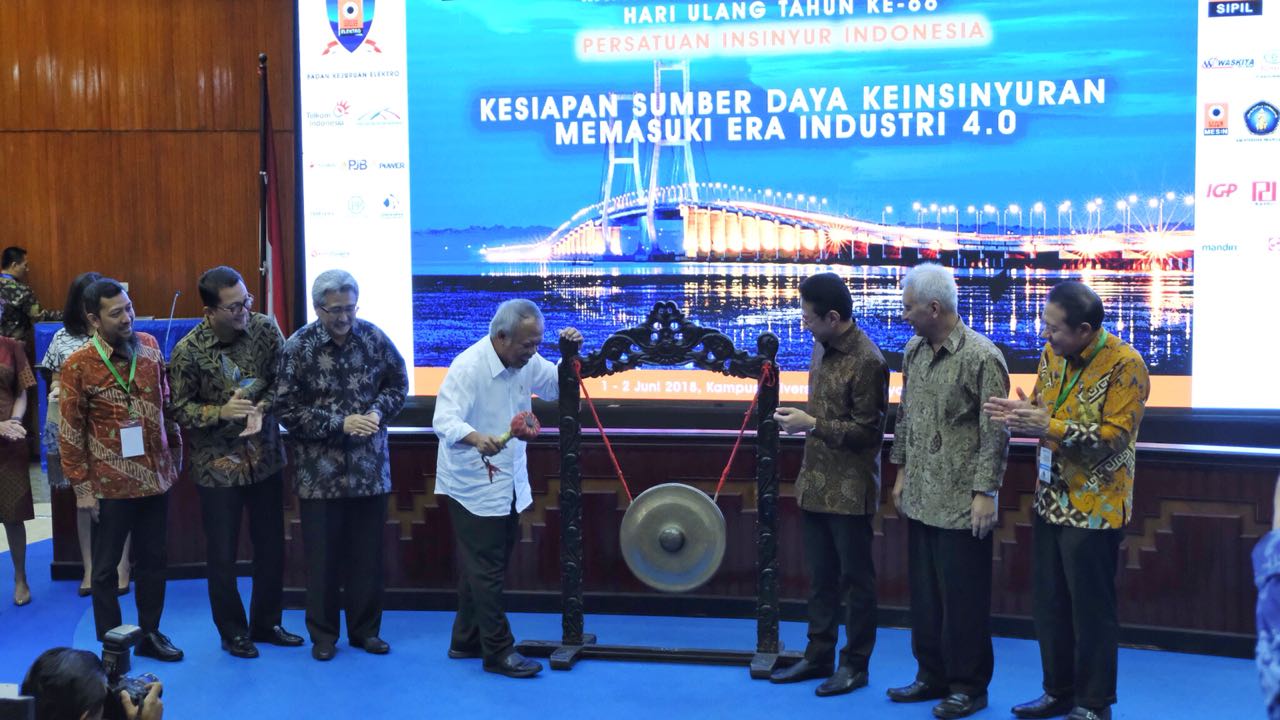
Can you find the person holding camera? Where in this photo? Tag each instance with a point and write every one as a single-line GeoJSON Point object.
{"type": "Point", "coordinates": [70, 684]}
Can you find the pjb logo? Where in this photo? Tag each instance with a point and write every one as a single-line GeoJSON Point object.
{"type": "Point", "coordinates": [350, 21]}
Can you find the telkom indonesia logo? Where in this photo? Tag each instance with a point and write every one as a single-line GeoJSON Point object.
{"type": "Point", "coordinates": [350, 21]}
{"type": "Point", "coordinates": [1221, 190]}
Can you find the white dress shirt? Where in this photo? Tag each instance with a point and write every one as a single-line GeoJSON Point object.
{"type": "Point", "coordinates": [480, 394]}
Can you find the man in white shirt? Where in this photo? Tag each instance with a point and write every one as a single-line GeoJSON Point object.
{"type": "Point", "coordinates": [486, 481]}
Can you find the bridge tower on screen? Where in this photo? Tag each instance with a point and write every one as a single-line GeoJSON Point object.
{"type": "Point", "coordinates": [682, 176]}
{"type": "Point", "coordinates": [612, 176]}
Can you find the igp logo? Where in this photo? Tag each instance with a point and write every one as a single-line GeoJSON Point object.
{"type": "Point", "coordinates": [350, 21]}
{"type": "Point", "coordinates": [1261, 118]}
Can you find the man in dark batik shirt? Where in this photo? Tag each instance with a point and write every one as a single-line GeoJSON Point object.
{"type": "Point", "coordinates": [18, 305]}
{"type": "Point", "coordinates": [223, 382]}
{"type": "Point", "coordinates": [838, 488]}
{"type": "Point", "coordinates": [341, 382]}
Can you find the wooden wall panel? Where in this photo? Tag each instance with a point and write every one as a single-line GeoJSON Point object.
{"type": "Point", "coordinates": [144, 65]}
{"type": "Point", "coordinates": [129, 133]}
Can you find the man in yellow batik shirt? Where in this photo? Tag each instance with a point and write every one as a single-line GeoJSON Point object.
{"type": "Point", "coordinates": [1091, 390]}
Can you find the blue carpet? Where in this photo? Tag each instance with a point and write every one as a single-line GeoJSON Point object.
{"type": "Point", "coordinates": [416, 680]}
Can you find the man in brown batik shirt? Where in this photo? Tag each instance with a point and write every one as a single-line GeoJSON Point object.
{"type": "Point", "coordinates": [839, 485]}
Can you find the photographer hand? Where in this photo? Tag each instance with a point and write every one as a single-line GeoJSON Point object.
{"type": "Point", "coordinates": [152, 707]}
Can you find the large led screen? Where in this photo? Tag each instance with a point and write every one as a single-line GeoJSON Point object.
{"type": "Point", "coordinates": [598, 156]}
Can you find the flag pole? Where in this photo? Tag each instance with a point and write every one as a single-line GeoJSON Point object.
{"type": "Point", "coordinates": [263, 128]}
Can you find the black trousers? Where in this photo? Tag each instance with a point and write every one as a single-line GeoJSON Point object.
{"type": "Point", "coordinates": [484, 547]}
{"type": "Point", "coordinates": [342, 538]}
{"type": "Point", "coordinates": [1074, 593]}
{"type": "Point", "coordinates": [222, 509]}
{"type": "Point", "coordinates": [950, 574]}
{"type": "Point", "coordinates": [837, 549]}
{"type": "Point", "coordinates": [147, 519]}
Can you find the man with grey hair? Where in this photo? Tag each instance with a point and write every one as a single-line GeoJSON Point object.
{"type": "Point", "coordinates": [341, 381]}
{"type": "Point", "coordinates": [485, 480]}
{"type": "Point", "coordinates": [951, 458]}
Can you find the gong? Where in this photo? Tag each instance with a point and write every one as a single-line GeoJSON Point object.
{"type": "Point", "coordinates": [673, 537]}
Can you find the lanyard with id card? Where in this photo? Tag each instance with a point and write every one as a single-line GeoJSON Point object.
{"type": "Point", "coordinates": [1044, 458]}
{"type": "Point", "coordinates": [131, 443]}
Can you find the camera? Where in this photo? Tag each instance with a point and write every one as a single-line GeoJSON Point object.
{"type": "Point", "coordinates": [115, 660]}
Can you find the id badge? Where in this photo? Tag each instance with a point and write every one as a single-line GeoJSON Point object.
{"type": "Point", "coordinates": [1045, 464]}
{"type": "Point", "coordinates": [131, 439]}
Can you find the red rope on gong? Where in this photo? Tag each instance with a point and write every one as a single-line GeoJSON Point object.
{"type": "Point", "coordinates": [577, 371]}
{"type": "Point", "coordinates": [768, 376]}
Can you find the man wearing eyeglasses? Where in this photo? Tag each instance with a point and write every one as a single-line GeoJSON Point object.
{"type": "Point", "coordinates": [341, 382]}
{"type": "Point", "coordinates": [223, 379]}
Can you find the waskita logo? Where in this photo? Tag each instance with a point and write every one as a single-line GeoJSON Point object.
{"type": "Point", "coordinates": [1261, 118]}
{"type": "Point", "coordinates": [1235, 9]}
{"type": "Point", "coordinates": [1215, 118]}
{"type": "Point", "coordinates": [1236, 63]}
{"type": "Point", "coordinates": [350, 21]}
{"type": "Point", "coordinates": [1220, 190]}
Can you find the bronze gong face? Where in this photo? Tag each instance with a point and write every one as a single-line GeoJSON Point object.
{"type": "Point", "coordinates": [673, 537]}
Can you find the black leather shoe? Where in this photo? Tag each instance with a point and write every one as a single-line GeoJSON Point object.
{"type": "Point", "coordinates": [323, 650]}
{"type": "Point", "coordinates": [803, 670]}
{"type": "Point", "coordinates": [1083, 713]}
{"type": "Point", "coordinates": [1045, 706]}
{"type": "Point", "coordinates": [372, 645]}
{"type": "Point", "coordinates": [845, 679]}
{"type": "Point", "coordinates": [915, 692]}
{"type": "Point", "coordinates": [240, 646]}
{"type": "Point", "coordinates": [277, 635]}
{"type": "Point", "coordinates": [464, 653]}
{"type": "Point", "coordinates": [958, 705]}
{"type": "Point", "coordinates": [514, 665]}
{"type": "Point", "coordinates": [156, 645]}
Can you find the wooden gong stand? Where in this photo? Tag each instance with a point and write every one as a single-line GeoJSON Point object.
{"type": "Point", "coordinates": [666, 338]}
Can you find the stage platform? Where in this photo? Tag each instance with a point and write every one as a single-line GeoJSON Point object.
{"type": "Point", "coordinates": [417, 680]}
